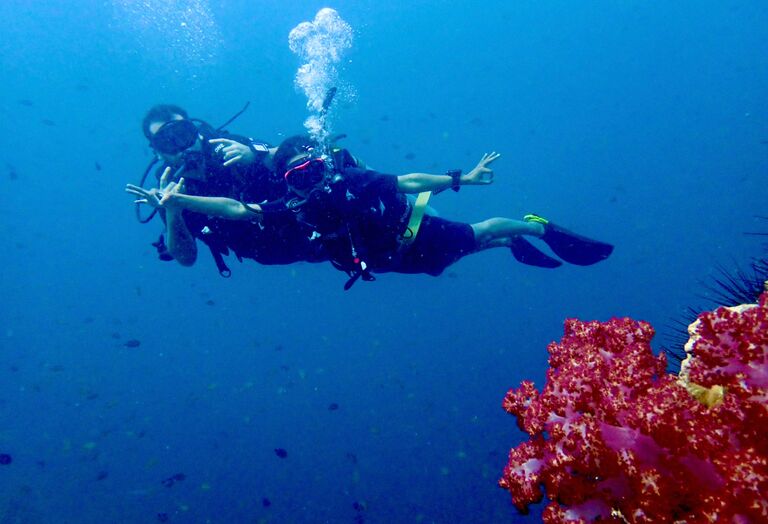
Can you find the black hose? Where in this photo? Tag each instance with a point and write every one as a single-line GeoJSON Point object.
{"type": "Point", "coordinates": [225, 124]}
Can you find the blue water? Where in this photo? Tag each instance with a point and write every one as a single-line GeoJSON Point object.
{"type": "Point", "coordinates": [643, 123]}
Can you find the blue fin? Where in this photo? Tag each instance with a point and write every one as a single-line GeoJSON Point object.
{"type": "Point", "coordinates": [525, 253]}
{"type": "Point", "coordinates": [574, 248]}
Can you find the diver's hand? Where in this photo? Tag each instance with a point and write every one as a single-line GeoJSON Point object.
{"type": "Point", "coordinates": [169, 198]}
{"type": "Point", "coordinates": [234, 152]}
{"type": "Point", "coordinates": [162, 197]}
{"type": "Point", "coordinates": [481, 174]}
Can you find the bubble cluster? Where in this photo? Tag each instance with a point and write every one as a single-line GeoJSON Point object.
{"type": "Point", "coordinates": [183, 33]}
{"type": "Point", "coordinates": [321, 45]}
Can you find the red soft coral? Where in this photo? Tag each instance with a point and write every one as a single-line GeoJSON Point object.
{"type": "Point", "coordinates": [615, 438]}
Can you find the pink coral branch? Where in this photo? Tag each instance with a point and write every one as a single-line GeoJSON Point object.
{"type": "Point", "coordinates": [615, 438]}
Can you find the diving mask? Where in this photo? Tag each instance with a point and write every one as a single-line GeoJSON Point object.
{"type": "Point", "coordinates": [307, 174]}
{"type": "Point", "coordinates": [174, 137]}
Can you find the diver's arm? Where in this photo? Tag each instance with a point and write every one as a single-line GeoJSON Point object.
{"type": "Point", "coordinates": [181, 243]}
{"type": "Point", "coordinates": [419, 182]}
{"type": "Point", "coordinates": [174, 198]}
{"type": "Point", "coordinates": [220, 207]}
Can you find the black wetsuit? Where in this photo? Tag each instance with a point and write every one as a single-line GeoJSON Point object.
{"type": "Point", "coordinates": [361, 216]}
{"type": "Point", "coordinates": [282, 241]}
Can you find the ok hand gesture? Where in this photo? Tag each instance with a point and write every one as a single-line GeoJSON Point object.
{"type": "Point", "coordinates": [481, 174]}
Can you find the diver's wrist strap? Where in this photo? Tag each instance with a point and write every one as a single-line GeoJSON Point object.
{"type": "Point", "coordinates": [455, 175]}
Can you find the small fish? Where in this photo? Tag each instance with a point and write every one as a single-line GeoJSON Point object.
{"type": "Point", "coordinates": [132, 343]}
{"type": "Point", "coordinates": [410, 156]}
{"type": "Point", "coordinates": [179, 477]}
{"type": "Point", "coordinates": [210, 303]}
{"type": "Point", "coordinates": [116, 335]}
{"type": "Point", "coordinates": [5, 459]}
{"type": "Point", "coordinates": [102, 475]}
{"type": "Point", "coordinates": [351, 457]}
{"type": "Point", "coordinates": [266, 502]}
{"type": "Point", "coordinates": [333, 406]}
{"type": "Point", "coordinates": [280, 452]}
{"type": "Point", "coordinates": [163, 517]}
{"type": "Point", "coordinates": [82, 88]}
{"type": "Point", "coordinates": [97, 166]}
{"type": "Point", "coordinates": [48, 122]}
{"type": "Point", "coordinates": [26, 102]}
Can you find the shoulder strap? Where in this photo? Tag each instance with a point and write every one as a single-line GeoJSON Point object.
{"type": "Point", "coordinates": [342, 159]}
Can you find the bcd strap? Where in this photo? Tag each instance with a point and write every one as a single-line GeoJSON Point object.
{"type": "Point", "coordinates": [342, 159]}
{"type": "Point", "coordinates": [417, 215]}
{"type": "Point", "coordinates": [162, 250]}
{"type": "Point", "coordinates": [361, 268]}
{"type": "Point", "coordinates": [224, 271]}
{"type": "Point", "coordinates": [361, 271]}
{"type": "Point", "coordinates": [352, 279]}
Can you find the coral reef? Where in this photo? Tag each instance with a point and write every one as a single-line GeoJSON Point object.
{"type": "Point", "coordinates": [615, 438]}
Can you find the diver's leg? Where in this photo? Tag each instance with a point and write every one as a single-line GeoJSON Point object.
{"type": "Point", "coordinates": [505, 232]}
{"type": "Point", "coordinates": [498, 242]}
{"type": "Point", "coordinates": [499, 232]}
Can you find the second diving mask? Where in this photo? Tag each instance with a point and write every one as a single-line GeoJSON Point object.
{"type": "Point", "coordinates": [307, 174]}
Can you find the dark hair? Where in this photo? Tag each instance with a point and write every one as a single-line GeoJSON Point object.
{"type": "Point", "coordinates": [160, 113]}
{"type": "Point", "coordinates": [289, 148]}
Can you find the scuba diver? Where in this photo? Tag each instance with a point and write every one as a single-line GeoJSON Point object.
{"type": "Point", "coordinates": [216, 163]}
{"type": "Point", "coordinates": [367, 225]}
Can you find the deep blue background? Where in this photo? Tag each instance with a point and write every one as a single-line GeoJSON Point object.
{"type": "Point", "coordinates": [640, 122]}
